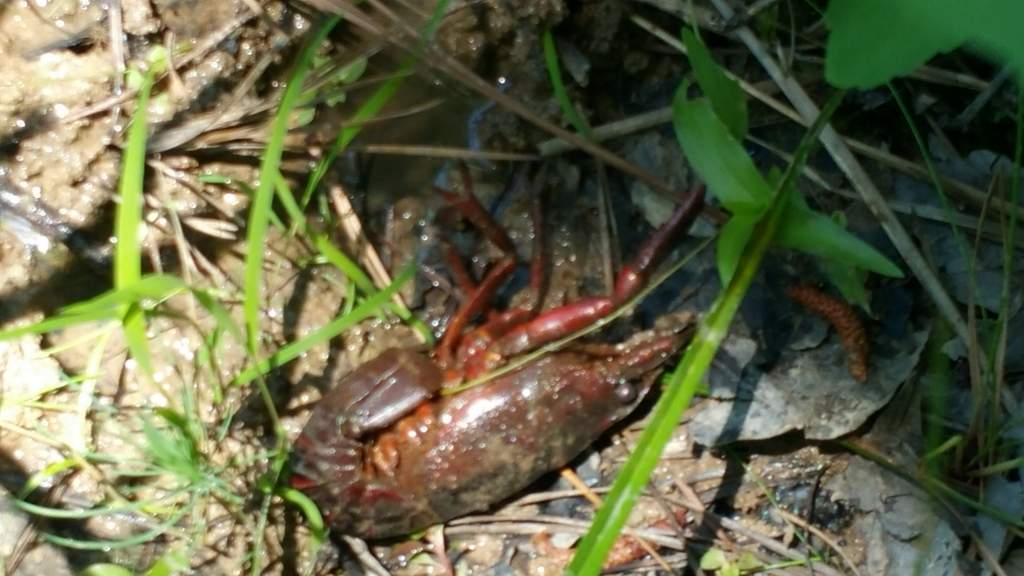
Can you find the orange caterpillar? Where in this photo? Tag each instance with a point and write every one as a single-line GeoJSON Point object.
{"type": "Point", "coordinates": [846, 322]}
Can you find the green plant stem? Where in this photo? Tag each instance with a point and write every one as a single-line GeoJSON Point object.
{"type": "Point", "coordinates": [686, 379]}
{"type": "Point", "coordinates": [259, 219]}
{"type": "Point", "coordinates": [269, 168]}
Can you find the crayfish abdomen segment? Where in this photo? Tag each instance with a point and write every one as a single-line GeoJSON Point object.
{"type": "Point", "coordinates": [458, 454]}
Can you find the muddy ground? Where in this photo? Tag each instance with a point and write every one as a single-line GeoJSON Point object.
{"type": "Point", "coordinates": [770, 461]}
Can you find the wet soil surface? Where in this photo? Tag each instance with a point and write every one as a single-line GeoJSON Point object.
{"type": "Point", "coordinates": [752, 468]}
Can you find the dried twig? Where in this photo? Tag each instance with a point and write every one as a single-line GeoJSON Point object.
{"type": "Point", "coordinates": [362, 553]}
{"type": "Point", "coordinates": [368, 255]}
{"type": "Point", "coordinates": [595, 501]}
{"type": "Point", "coordinates": [202, 49]}
{"type": "Point", "coordinates": [444, 152]}
{"type": "Point", "coordinates": [533, 524]}
{"type": "Point", "coordinates": [793, 518]}
{"type": "Point", "coordinates": [116, 38]}
{"type": "Point", "coordinates": [983, 97]}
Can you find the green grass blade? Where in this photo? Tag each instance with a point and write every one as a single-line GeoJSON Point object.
{"type": "Point", "coordinates": [128, 221]}
{"type": "Point", "coordinates": [732, 241]}
{"type": "Point", "coordinates": [107, 545]}
{"type": "Point", "coordinates": [362, 282]}
{"type": "Point", "coordinates": [367, 308]}
{"type": "Point", "coordinates": [220, 314]}
{"type": "Point", "coordinates": [287, 199]}
{"type": "Point", "coordinates": [685, 380]}
{"type": "Point", "coordinates": [370, 108]}
{"type": "Point", "coordinates": [343, 263]}
{"type": "Point", "coordinates": [81, 514]}
{"type": "Point", "coordinates": [259, 211]}
{"type": "Point", "coordinates": [128, 218]}
{"type": "Point", "coordinates": [367, 111]}
{"type": "Point", "coordinates": [259, 219]}
{"type": "Point", "coordinates": [243, 187]}
{"type": "Point", "coordinates": [59, 322]}
{"type": "Point", "coordinates": [948, 210]}
{"type": "Point", "coordinates": [48, 472]}
{"type": "Point", "coordinates": [110, 305]}
{"type": "Point", "coordinates": [154, 287]}
{"type": "Point", "coordinates": [558, 86]}
{"type": "Point", "coordinates": [937, 488]}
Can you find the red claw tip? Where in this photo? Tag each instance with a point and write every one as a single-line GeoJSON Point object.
{"type": "Point", "coordinates": [301, 482]}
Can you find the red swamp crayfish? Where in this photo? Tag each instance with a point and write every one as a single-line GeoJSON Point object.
{"type": "Point", "coordinates": [384, 453]}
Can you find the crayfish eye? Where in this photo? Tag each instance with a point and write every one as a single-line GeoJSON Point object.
{"type": "Point", "coordinates": [625, 392]}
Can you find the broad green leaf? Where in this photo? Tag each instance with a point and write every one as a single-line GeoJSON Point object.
{"type": "Point", "coordinates": [872, 41]}
{"type": "Point", "coordinates": [814, 233]}
{"type": "Point", "coordinates": [731, 242]}
{"type": "Point", "coordinates": [719, 159]}
{"type": "Point", "coordinates": [996, 29]}
{"type": "Point", "coordinates": [713, 559]}
{"type": "Point", "coordinates": [352, 71]}
{"type": "Point", "coordinates": [847, 278]}
{"type": "Point", "coordinates": [726, 96]}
